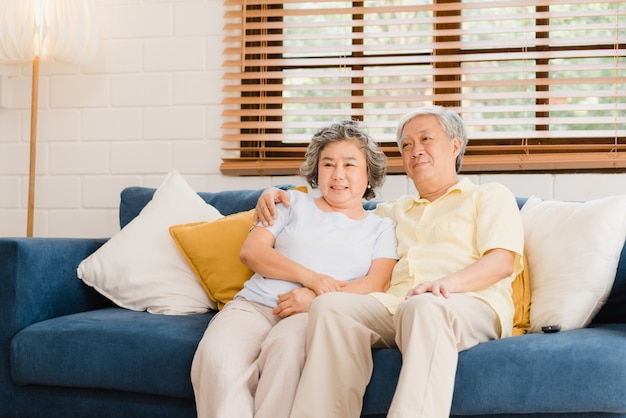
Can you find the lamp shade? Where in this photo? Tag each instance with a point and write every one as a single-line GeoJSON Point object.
{"type": "Point", "coordinates": [60, 30]}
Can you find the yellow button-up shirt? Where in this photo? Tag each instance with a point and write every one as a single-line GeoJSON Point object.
{"type": "Point", "coordinates": [444, 236]}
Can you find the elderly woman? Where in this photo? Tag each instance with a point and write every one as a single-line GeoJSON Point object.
{"type": "Point", "coordinates": [316, 245]}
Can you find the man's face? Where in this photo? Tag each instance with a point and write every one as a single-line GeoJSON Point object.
{"type": "Point", "coordinates": [427, 154]}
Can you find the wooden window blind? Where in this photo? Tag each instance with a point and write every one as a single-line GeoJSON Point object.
{"type": "Point", "coordinates": [540, 84]}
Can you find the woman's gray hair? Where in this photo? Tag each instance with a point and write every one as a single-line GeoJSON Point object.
{"type": "Point", "coordinates": [449, 120]}
{"type": "Point", "coordinates": [346, 130]}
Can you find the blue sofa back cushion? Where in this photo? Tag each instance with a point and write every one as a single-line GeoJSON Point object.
{"type": "Point", "coordinates": [133, 199]}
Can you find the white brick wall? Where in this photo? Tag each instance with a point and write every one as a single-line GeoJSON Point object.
{"type": "Point", "coordinates": [149, 102]}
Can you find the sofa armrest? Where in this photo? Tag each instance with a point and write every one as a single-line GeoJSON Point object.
{"type": "Point", "coordinates": [38, 280]}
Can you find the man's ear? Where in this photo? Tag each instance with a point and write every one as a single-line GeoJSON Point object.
{"type": "Point", "coordinates": [456, 145]}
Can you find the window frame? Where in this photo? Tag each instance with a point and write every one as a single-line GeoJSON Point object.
{"type": "Point", "coordinates": [259, 156]}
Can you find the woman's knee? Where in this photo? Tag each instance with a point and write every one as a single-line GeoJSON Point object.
{"type": "Point", "coordinates": [326, 303]}
{"type": "Point", "coordinates": [208, 354]}
{"type": "Point", "coordinates": [289, 334]}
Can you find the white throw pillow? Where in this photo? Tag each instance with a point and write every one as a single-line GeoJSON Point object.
{"type": "Point", "coordinates": [572, 249]}
{"type": "Point", "coordinates": [140, 267]}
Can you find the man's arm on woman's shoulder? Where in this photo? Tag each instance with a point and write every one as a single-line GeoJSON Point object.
{"type": "Point", "coordinates": [265, 210]}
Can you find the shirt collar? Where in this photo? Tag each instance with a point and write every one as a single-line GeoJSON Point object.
{"type": "Point", "coordinates": [462, 185]}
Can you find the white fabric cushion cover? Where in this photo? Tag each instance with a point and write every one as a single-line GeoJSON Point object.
{"type": "Point", "coordinates": [572, 250]}
{"type": "Point", "coordinates": [140, 268]}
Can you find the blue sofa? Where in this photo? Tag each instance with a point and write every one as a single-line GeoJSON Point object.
{"type": "Point", "coordinates": [65, 351]}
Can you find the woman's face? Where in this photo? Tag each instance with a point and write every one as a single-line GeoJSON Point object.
{"type": "Point", "coordinates": [342, 173]}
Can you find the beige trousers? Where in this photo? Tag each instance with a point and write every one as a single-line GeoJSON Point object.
{"type": "Point", "coordinates": [248, 363]}
{"type": "Point", "coordinates": [428, 330]}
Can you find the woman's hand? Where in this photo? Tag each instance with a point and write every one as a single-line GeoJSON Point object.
{"type": "Point", "coordinates": [265, 210]}
{"type": "Point", "coordinates": [321, 283]}
{"type": "Point", "coordinates": [293, 302]}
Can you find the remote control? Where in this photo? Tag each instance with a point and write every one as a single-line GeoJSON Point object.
{"type": "Point", "coordinates": [548, 329]}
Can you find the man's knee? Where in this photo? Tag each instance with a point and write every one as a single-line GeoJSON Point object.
{"type": "Point", "coordinates": [424, 305]}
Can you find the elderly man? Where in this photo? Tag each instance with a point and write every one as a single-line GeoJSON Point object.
{"type": "Point", "coordinates": [460, 246]}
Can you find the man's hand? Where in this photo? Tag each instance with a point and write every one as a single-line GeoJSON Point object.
{"type": "Point", "coordinates": [437, 288]}
{"type": "Point", "coordinates": [265, 211]}
{"type": "Point", "coordinates": [492, 267]}
{"type": "Point", "coordinates": [293, 302]}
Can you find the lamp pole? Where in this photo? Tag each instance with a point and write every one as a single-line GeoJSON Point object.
{"type": "Point", "coordinates": [33, 147]}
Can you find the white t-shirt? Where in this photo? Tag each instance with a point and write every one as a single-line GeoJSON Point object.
{"type": "Point", "coordinates": [329, 243]}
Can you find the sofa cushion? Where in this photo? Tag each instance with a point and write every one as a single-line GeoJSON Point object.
{"type": "Point", "coordinates": [521, 301]}
{"type": "Point", "coordinates": [614, 310]}
{"type": "Point", "coordinates": [212, 250]}
{"type": "Point", "coordinates": [532, 373]}
{"type": "Point", "coordinates": [563, 372]}
{"type": "Point", "coordinates": [111, 348]}
{"type": "Point", "coordinates": [573, 249]}
{"type": "Point", "coordinates": [140, 268]}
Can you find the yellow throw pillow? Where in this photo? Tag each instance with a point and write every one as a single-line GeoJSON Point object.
{"type": "Point", "coordinates": [212, 249]}
{"type": "Point", "coordinates": [521, 300]}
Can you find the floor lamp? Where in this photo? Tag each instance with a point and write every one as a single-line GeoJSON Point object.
{"type": "Point", "coordinates": [34, 30]}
